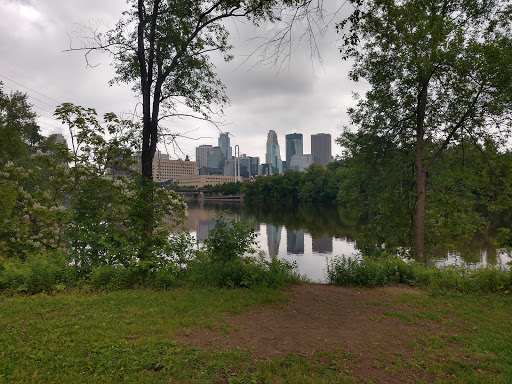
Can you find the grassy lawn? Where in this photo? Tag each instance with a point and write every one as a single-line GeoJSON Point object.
{"type": "Point", "coordinates": [474, 339]}
{"type": "Point", "coordinates": [127, 337]}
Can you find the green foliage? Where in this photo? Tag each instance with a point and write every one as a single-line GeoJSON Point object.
{"type": "Point", "coordinates": [226, 188]}
{"type": "Point", "coordinates": [438, 83]}
{"type": "Point", "coordinates": [372, 272]}
{"type": "Point", "coordinates": [463, 186]}
{"type": "Point", "coordinates": [504, 238]}
{"type": "Point", "coordinates": [38, 273]}
{"type": "Point", "coordinates": [230, 240]}
{"type": "Point", "coordinates": [226, 262]}
{"type": "Point", "coordinates": [33, 219]}
{"type": "Point", "coordinates": [369, 272]}
{"type": "Point", "coordinates": [33, 178]}
{"type": "Point", "coordinates": [108, 214]}
{"type": "Point", "coordinates": [19, 132]}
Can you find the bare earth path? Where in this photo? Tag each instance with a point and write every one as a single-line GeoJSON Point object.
{"type": "Point", "coordinates": [326, 318]}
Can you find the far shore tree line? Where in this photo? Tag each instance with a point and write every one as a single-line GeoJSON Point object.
{"type": "Point", "coordinates": [427, 147]}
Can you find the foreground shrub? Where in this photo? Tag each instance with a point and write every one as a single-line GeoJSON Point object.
{"type": "Point", "coordinates": [118, 277]}
{"type": "Point", "coordinates": [37, 274]}
{"type": "Point", "coordinates": [245, 271]}
{"type": "Point", "coordinates": [372, 272]}
{"type": "Point", "coordinates": [225, 260]}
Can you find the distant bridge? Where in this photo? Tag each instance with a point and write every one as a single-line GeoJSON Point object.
{"type": "Point", "coordinates": [209, 195]}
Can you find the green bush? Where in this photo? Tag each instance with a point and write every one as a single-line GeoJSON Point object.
{"type": "Point", "coordinates": [229, 240]}
{"type": "Point", "coordinates": [38, 273]}
{"type": "Point", "coordinates": [368, 272]}
{"type": "Point", "coordinates": [224, 260]}
{"type": "Point", "coordinates": [372, 272]}
{"type": "Point", "coordinates": [118, 277]}
{"type": "Point", "coordinates": [244, 272]}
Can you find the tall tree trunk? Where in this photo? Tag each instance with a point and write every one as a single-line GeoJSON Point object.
{"type": "Point", "coordinates": [419, 221]}
{"type": "Point", "coordinates": [149, 126]}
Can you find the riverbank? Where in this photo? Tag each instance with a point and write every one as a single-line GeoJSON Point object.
{"type": "Point", "coordinates": [308, 333]}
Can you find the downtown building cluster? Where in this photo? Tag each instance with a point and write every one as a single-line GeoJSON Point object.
{"type": "Point", "coordinates": [221, 164]}
{"type": "Point", "coordinates": [221, 160]}
{"type": "Point", "coordinates": [295, 158]}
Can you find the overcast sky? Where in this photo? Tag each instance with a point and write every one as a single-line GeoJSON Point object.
{"type": "Point", "coordinates": [305, 96]}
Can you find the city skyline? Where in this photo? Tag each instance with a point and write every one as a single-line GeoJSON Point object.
{"type": "Point", "coordinates": [264, 141]}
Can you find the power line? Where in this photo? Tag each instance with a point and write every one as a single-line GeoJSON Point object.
{"type": "Point", "coordinates": [53, 126]}
{"type": "Point", "coordinates": [37, 106]}
{"type": "Point", "coordinates": [30, 89]}
{"type": "Point", "coordinates": [32, 97]}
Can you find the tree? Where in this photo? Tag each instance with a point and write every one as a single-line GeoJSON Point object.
{"type": "Point", "coordinates": [106, 204]}
{"type": "Point", "coordinates": [19, 131]}
{"type": "Point", "coordinates": [439, 73]}
{"type": "Point", "coordinates": [32, 183]}
{"type": "Point", "coordinates": [162, 47]}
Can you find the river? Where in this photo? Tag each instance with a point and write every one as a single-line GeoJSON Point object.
{"type": "Point", "coordinates": [311, 234]}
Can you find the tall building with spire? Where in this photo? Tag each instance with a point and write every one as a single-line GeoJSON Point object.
{"type": "Point", "coordinates": [225, 146]}
{"type": "Point", "coordinates": [273, 155]}
{"type": "Point", "coordinates": [321, 148]}
{"type": "Point", "coordinates": [294, 146]}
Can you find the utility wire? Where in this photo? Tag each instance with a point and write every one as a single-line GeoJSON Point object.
{"type": "Point", "coordinates": [41, 101]}
{"type": "Point", "coordinates": [30, 89]}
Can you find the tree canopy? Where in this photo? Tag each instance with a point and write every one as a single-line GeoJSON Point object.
{"type": "Point", "coordinates": [440, 75]}
{"type": "Point", "coordinates": [18, 128]}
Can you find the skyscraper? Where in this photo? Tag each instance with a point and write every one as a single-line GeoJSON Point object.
{"type": "Point", "coordinates": [321, 148]}
{"type": "Point", "coordinates": [225, 146]}
{"type": "Point", "coordinates": [202, 153]}
{"type": "Point", "coordinates": [299, 163]}
{"type": "Point", "coordinates": [216, 161]}
{"type": "Point", "coordinates": [294, 146]}
{"type": "Point", "coordinates": [273, 155]}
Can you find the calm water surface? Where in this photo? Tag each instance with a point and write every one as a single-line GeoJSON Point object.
{"type": "Point", "coordinates": [311, 234]}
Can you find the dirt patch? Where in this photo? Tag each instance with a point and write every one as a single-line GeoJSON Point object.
{"type": "Point", "coordinates": [324, 318]}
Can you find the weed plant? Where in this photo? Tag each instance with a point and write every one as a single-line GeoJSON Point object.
{"type": "Point", "coordinates": [372, 272]}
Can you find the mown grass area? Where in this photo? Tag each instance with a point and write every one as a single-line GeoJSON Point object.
{"type": "Point", "coordinates": [472, 342]}
{"type": "Point", "coordinates": [127, 336]}
{"type": "Point", "coordinates": [121, 336]}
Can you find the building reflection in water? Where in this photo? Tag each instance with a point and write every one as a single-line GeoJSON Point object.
{"type": "Point", "coordinates": [295, 242]}
{"type": "Point", "coordinates": [273, 239]}
{"type": "Point", "coordinates": [203, 229]}
{"type": "Point", "coordinates": [322, 244]}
